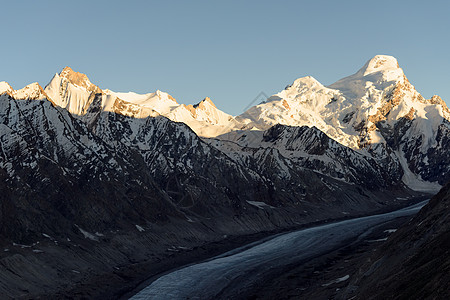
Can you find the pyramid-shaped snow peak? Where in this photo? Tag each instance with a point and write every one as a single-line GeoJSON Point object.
{"type": "Point", "coordinates": [5, 87]}
{"type": "Point", "coordinates": [32, 91]}
{"type": "Point", "coordinates": [378, 73]}
{"type": "Point", "coordinates": [380, 63]}
{"type": "Point", "coordinates": [78, 79]}
{"type": "Point", "coordinates": [347, 110]}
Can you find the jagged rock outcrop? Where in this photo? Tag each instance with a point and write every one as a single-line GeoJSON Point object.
{"type": "Point", "coordinates": [300, 148]}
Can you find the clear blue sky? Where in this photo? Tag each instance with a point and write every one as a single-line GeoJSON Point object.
{"type": "Point", "coordinates": [227, 50]}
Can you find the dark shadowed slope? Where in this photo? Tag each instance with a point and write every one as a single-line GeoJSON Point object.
{"type": "Point", "coordinates": [415, 262]}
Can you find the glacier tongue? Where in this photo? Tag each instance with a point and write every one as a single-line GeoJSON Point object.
{"type": "Point", "coordinates": [414, 181]}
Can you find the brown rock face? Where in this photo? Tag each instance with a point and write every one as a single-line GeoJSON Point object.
{"type": "Point", "coordinates": [285, 104]}
{"type": "Point", "coordinates": [438, 100]}
{"type": "Point", "coordinates": [79, 79]}
{"type": "Point", "coordinates": [392, 100]}
{"type": "Point", "coordinates": [410, 114]}
{"type": "Point", "coordinates": [191, 109]}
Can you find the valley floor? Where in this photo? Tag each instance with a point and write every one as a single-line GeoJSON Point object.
{"type": "Point", "coordinates": [273, 279]}
{"type": "Point", "coordinates": [122, 264]}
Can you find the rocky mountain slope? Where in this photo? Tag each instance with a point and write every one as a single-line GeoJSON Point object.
{"type": "Point", "coordinates": [310, 148]}
{"type": "Point", "coordinates": [415, 261]}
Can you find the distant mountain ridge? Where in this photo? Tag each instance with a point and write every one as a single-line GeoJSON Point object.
{"type": "Point", "coordinates": [74, 153]}
{"type": "Point", "coordinates": [375, 111]}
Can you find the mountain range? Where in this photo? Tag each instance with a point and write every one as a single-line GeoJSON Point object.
{"type": "Point", "coordinates": [87, 168]}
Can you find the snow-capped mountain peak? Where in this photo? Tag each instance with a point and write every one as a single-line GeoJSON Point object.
{"type": "Point", "coordinates": [71, 90]}
{"type": "Point", "coordinates": [305, 90]}
{"type": "Point", "coordinates": [307, 81]}
{"type": "Point", "coordinates": [205, 103]}
{"type": "Point", "coordinates": [74, 91]}
{"type": "Point", "coordinates": [375, 111]}
{"type": "Point", "coordinates": [159, 101]}
{"type": "Point", "coordinates": [5, 87]}
{"type": "Point", "coordinates": [204, 118]}
{"type": "Point", "coordinates": [347, 110]}
{"type": "Point", "coordinates": [32, 91]}
{"type": "Point", "coordinates": [378, 73]}
{"type": "Point", "coordinates": [380, 63]}
{"type": "Point", "coordinates": [78, 79]}
{"type": "Point", "coordinates": [207, 111]}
